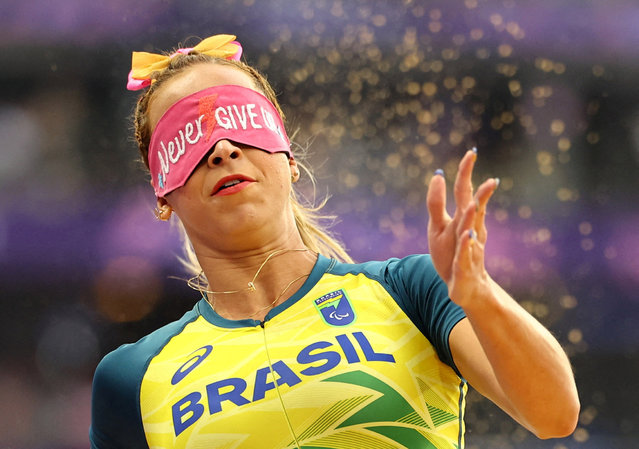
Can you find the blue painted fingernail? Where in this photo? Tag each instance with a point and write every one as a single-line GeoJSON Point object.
{"type": "Point", "coordinates": [439, 172]}
{"type": "Point", "coordinates": [474, 150]}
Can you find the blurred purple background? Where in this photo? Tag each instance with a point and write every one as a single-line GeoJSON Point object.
{"type": "Point", "coordinates": [383, 93]}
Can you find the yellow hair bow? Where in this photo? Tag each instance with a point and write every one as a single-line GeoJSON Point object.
{"type": "Point", "coordinates": [143, 64]}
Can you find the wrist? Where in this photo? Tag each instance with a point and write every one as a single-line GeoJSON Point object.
{"type": "Point", "coordinates": [480, 296]}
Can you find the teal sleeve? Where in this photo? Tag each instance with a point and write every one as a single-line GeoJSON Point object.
{"type": "Point", "coordinates": [423, 296]}
{"type": "Point", "coordinates": [116, 421]}
{"type": "Point", "coordinates": [115, 413]}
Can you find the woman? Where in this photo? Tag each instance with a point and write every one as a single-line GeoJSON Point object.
{"type": "Point", "coordinates": [289, 348]}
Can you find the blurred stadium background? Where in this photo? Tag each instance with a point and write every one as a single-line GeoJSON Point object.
{"type": "Point", "coordinates": [382, 93]}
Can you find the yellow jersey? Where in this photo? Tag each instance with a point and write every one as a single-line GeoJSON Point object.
{"type": "Point", "coordinates": [358, 358]}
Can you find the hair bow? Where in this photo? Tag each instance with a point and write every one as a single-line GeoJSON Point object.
{"type": "Point", "coordinates": [143, 64]}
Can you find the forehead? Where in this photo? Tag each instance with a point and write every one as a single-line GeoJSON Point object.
{"type": "Point", "coordinates": [195, 79]}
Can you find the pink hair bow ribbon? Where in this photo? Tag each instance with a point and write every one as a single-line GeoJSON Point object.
{"type": "Point", "coordinates": [143, 64]}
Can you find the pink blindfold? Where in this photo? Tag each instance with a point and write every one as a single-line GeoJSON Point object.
{"type": "Point", "coordinates": [190, 128]}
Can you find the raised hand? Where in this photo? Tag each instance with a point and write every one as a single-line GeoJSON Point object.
{"type": "Point", "coordinates": [457, 243]}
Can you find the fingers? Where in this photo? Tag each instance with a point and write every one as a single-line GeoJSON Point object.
{"type": "Point", "coordinates": [470, 212]}
{"type": "Point", "coordinates": [468, 267]}
{"type": "Point", "coordinates": [469, 228]}
{"type": "Point", "coordinates": [470, 251]}
{"type": "Point", "coordinates": [467, 219]}
{"type": "Point", "coordinates": [463, 182]}
{"type": "Point", "coordinates": [436, 202]}
{"type": "Point", "coordinates": [483, 195]}
{"type": "Point", "coordinates": [465, 250]}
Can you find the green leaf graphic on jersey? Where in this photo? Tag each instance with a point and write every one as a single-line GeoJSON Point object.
{"type": "Point", "coordinates": [385, 420]}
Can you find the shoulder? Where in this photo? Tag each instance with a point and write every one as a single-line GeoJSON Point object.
{"type": "Point", "coordinates": [418, 290]}
{"type": "Point", "coordinates": [412, 280]}
{"type": "Point", "coordinates": [116, 420]}
{"type": "Point", "coordinates": [138, 354]}
{"type": "Point", "coordinates": [379, 266]}
{"type": "Point", "coordinates": [412, 268]}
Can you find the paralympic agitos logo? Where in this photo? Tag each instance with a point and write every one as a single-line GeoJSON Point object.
{"type": "Point", "coordinates": [312, 360]}
{"type": "Point", "coordinates": [335, 308]}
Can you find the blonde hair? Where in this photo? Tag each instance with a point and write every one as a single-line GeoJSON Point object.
{"type": "Point", "coordinates": [308, 217]}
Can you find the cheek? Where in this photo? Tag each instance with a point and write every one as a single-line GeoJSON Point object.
{"type": "Point", "coordinates": [281, 174]}
{"type": "Point", "coordinates": [183, 199]}
{"type": "Point", "coordinates": [276, 168]}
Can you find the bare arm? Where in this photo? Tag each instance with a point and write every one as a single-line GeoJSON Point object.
{"type": "Point", "coordinates": [501, 350]}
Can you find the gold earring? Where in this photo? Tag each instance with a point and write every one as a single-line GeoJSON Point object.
{"type": "Point", "coordinates": [163, 213]}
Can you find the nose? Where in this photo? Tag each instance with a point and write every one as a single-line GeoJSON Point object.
{"type": "Point", "coordinates": [222, 152]}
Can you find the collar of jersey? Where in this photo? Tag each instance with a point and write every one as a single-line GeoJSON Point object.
{"type": "Point", "coordinates": [204, 309]}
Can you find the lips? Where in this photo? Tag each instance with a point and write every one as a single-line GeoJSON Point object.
{"type": "Point", "coordinates": [229, 185]}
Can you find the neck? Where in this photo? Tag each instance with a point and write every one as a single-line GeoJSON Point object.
{"type": "Point", "coordinates": [249, 285]}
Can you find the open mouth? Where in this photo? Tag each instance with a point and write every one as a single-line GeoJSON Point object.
{"type": "Point", "coordinates": [231, 184]}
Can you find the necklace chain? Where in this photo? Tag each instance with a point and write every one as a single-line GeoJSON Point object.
{"type": "Point", "coordinates": [271, 305]}
{"type": "Point", "coordinates": [196, 284]}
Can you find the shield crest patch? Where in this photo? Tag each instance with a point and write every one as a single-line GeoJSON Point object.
{"type": "Point", "coordinates": [335, 308]}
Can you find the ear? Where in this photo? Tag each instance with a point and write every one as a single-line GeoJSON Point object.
{"type": "Point", "coordinates": [163, 209]}
{"type": "Point", "coordinates": [295, 170]}
{"type": "Point", "coordinates": [162, 203]}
